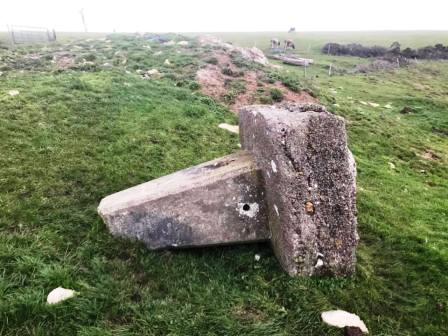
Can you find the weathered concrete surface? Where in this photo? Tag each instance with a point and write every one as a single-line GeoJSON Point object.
{"type": "Point", "coordinates": [217, 202]}
{"type": "Point", "coordinates": [310, 185]}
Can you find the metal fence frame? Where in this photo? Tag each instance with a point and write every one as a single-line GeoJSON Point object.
{"type": "Point", "coordinates": [25, 34]}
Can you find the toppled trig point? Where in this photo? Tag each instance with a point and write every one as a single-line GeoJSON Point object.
{"type": "Point", "coordinates": [309, 176]}
{"type": "Point", "coordinates": [217, 202]}
{"type": "Point", "coordinates": [293, 184]}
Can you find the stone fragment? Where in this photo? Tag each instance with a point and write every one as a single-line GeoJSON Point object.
{"type": "Point", "coordinates": [13, 92]}
{"type": "Point", "coordinates": [152, 73]}
{"type": "Point", "coordinates": [309, 176]}
{"type": "Point", "coordinates": [217, 202]}
{"type": "Point", "coordinates": [59, 294]}
{"type": "Point", "coordinates": [230, 128]}
{"type": "Point", "coordinates": [341, 319]}
{"type": "Point", "coordinates": [252, 54]}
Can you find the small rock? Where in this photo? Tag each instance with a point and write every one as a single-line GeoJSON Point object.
{"type": "Point", "coordinates": [388, 106]}
{"type": "Point", "coordinates": [309, 208]}
{"type": "Point", "coordinates": [152, 72]}
{"type": "Point", "coordinates": [363, 102]}
{"type": "Point", "coordinates": [257, 257]}
{"type": "Point", "coordinates": [374, 104]}
{"type": "Point", "coordinates": [13, 92]}
{"type": "Point", "coordinates": [183, 43]}
{"type": "Point", "coordinates": [231, 128]}
{"type": "Point", "coordinates": [407, 110]}
{"type": "Point", "coordinates": [342, 319]}
{"type": "Point", "coordinates": [169, 43]}
{"type": "Point", "coordinates": [167, 62]}
{"type": "Point", "coordinates": [59, 294]}
{"type": "Point", "coordinates": [160, 52]}
{"type": "Point", "coordinates": [391, 165]}
{"type": "Point", "coordinates": [319, 263]}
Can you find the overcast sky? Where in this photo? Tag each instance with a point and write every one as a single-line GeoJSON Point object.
{"type": "Point", "coordinates": [226, 15]}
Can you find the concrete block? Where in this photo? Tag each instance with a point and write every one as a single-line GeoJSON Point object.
{"type": "Point", "coordinates": [217, 202]}
{"type": "Point", "coordinates": [309, 175]}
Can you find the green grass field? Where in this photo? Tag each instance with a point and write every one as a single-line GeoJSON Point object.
{"type": "Point", "coordinates": [72, 137]}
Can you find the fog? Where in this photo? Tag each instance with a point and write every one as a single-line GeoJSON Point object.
{"type": "Point", "coordinates": [229, 15]}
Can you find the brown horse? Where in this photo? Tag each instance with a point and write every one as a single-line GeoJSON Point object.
{"type": "Point", "coordinates": [289, 44]}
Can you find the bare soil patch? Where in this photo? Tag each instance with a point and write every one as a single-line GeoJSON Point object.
{"type": "Point", "coordinates": [215, 78]}
{"type": "Point", "coordinates": [430, 155]}
{"type": "Point", "coordinates": [212, 81]}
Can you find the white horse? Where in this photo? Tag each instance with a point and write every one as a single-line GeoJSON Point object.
{"type": "Point", "coordinates": [275, 43]}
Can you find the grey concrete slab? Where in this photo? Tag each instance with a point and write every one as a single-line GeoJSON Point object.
{"type": "Point", "coordinates": [217, 202]}
{"type": "Point", "coordinates": [310, 185]}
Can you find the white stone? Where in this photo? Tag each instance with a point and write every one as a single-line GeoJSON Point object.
{"type": "Point", "coordinates": [152, 73]}
{"type": "Point", "coordinates": [13, 92]}
{"type": "Point", "coordinates": [167, 62]}
{"type": "Point", "coordinates": [231, 128]}
{"type": "Point", "coordinates": [183, 43]}
{"type": "Point", "coordinates": [274, 166]}
{"type": "Point", "coordinates": [257, 257]}
{"type": "Point", "coordinates": [276, 210]}
{"type": "Point", "coordinates": [341, 319]}
{"type": "Point", "coordinates": [59, 294]}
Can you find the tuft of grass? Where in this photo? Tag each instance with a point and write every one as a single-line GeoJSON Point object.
{"type": "Point", "coordinates": [276, 94]}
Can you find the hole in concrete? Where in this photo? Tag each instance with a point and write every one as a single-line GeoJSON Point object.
{"type": "Point", "coordinates": [246, 207]}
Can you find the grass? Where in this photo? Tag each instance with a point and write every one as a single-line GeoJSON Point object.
{"type": "Point", "coordinates": [71, 137]}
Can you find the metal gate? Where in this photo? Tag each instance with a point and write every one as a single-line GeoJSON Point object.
{"type": "Point", "coordinates": [23, 34]}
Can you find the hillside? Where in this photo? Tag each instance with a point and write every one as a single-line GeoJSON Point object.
{"type": "Point", "coordinates": [90, 119]}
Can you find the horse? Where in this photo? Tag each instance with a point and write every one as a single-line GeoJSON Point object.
{"type": "Point", "coordinates": [275, 43]}
{"type": "Point", "coordinates": [289, 44]}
